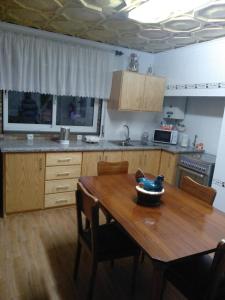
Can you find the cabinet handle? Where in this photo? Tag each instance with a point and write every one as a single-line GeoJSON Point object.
{"type": "Point", "coordinates": [62, 187]}
{"type": "Point", "coordinates": [64, 159]}
{"type": "Point", "coordinates": [63, 174]}
{"type": "Point", "coordinates": [40, 164]}
{"type": "Point", "coordinates": [61, 201]}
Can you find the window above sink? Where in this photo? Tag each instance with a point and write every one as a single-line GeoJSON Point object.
{"type": "Point", "coordinates": [35, 112]}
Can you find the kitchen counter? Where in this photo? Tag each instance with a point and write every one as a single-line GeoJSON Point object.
{"type": "Point", "coordinates": [8, 146]}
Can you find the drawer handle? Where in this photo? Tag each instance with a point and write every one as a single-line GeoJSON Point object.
{"type": "Point", "coordinates": [62, 187]}
{"type": "Point", "coordinates": [63, 174]}
{"type": "Point", "coordinates": [64, 159]}
{"type": "Point", "coordinates": [61, 201]}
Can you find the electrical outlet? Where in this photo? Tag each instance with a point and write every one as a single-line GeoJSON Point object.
{"type": "Point", "coordinates": [219, 182]}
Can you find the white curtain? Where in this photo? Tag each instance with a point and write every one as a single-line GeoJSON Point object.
{"type": "Point", "coordinates": [33, 64]}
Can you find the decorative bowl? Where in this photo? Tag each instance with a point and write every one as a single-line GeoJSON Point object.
{"type": "Point", "coordinates": [148, 198]}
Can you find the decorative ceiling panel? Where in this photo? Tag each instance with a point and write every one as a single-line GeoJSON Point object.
{"type": "Point", "coordinates": [210, 33]}
{"type": "Point", "coordinates": [184, 23]}
{"type": "Point", "coordinates": [106, 21]}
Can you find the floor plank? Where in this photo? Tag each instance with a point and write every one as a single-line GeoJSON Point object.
{"type": "Point", "coordinates": [36, 262]}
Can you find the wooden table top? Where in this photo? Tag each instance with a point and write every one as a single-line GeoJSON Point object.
{"type": "Point", "coordinates": [181, 226]}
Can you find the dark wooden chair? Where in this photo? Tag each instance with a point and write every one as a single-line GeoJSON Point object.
{"type": "Point", "coordinates": [200, 191]}
{"type": "Point", "coordinates": [103, 242]}
{"type": "Point", "coordinates": [200, 278]}
{"type": "Point", "coordinates": [111, 168]}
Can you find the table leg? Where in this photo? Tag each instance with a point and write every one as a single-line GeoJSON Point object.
{"type": "Point", "coordinates": [157, 282]}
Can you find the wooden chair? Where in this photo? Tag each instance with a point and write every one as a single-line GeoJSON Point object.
{"type": "Point", "coordinates": [200, 278]}
{"type": "Point", "coordinates": [102, 242]}
{"type": "Point", "coordinates": [200, 191]}
{"type": "Point", "coordinates": [111, 168]}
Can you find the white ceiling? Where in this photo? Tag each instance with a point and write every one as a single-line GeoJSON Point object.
{"type": "Point", "coordinates": [106, 21]}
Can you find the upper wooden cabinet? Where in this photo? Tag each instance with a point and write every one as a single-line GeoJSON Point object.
{"type": "Point", "coordinates": [136, 92]}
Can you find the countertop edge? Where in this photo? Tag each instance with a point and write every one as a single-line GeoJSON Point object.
{"type": "Point", "coordinates": [19, 146]}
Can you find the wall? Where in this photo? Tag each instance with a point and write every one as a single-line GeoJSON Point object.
{"type": "Point", "coordinates": [204, 118]}
{"type": "Point", "coordinates": [138, 122]}
{"type": "Point", "coordinates": [199, 63]}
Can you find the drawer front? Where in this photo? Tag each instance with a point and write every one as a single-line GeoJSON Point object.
{"type": "Point", "coordinates": [63, 159]}
{"type": "Point", "coordinates": [62, 172]}
{"type": "Point", "coordinates": [59, 199]}
{"type": "Point", "coordinates": [59, 186]}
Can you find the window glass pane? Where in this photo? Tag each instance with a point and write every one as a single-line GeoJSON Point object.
{"type": "Point", "coordinates": [75, 111]}
{"type": "Point", "coordinates": [29, 108]}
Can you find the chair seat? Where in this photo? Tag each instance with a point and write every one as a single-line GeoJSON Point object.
{"type": "Point", "coordinates": [191, 277]}
{"type": "Point", "coordinates": [113, 242]}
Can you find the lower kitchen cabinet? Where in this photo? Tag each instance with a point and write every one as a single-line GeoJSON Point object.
{"type": "Point", "coordinates": [112, 156]}
{"type": "Point", "coordinates": [135, 159]}
{"type": "Point", "coordinates": [91, 159]}
{"type": "Point", "coordinates": [40, 180]}
{"type": "Point", "coordinates": [24, 175]}
{"type": "Point", "coordinates": [89, 163]}
{"type": "Point", "coordinates": [168, 166]}
{"type": "Point", "coordinates": [151, 161]}
{"type": "Point", "coordinates": [61, 176]}
{"type": "Point", "coordinates": [147, 160]}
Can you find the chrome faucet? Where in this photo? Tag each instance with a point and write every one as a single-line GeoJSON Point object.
{"type": "Point", "coordinates": [127, 140]}
{"type": "Point", "coordinates": [195, 139]}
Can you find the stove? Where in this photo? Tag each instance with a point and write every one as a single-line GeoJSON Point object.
{"type": "Point", "coordinates": [199, 166]}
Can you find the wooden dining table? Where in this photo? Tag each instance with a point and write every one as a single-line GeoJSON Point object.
{"type": "Point", "coordinates": [182, 226]}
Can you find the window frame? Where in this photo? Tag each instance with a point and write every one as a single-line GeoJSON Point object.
{"type": "Point", "coordinates": [26, 127]}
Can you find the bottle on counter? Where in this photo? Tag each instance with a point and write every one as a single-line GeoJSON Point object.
{"type": "Point", "coordinates": [144, 138]}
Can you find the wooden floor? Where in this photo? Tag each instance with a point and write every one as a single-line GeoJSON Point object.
{"type": "Point", "coordinates": [36, 262]}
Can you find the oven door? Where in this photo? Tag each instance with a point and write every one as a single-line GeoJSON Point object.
{"type": "Point", "coordinates": [200, 178]}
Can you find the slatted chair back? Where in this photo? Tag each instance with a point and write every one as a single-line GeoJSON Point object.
{"type": "Point", "coordinates": [111, 168]}
{"type": "Point", "coordinates": [200, 191]}
{"type": "Point", "coordinates": [87, 205]}
{"type": "Point", "coordinates": [217, 272]}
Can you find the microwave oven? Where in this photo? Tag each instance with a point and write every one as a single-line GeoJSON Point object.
{"type": "Point", "coordinates": [165, 136]}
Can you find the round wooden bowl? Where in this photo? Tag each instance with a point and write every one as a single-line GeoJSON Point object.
{"type": "Point", "coordinates": [148, 198]}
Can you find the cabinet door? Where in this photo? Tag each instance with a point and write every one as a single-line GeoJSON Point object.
{"type": "Point", "coordinates": [112, 156]}
{"type": "Point", "coordinates": [24, 181]}
{"type": "Point", "coordinates": [135, 159]}
{"type": "Point", "coordinates": [89, 163]}
{"type": "Point", "coordinates": [132, 89]}
{"type": "Point", "coordinates": [168, 166]}
{"type": "Point", "coordinates": [151, 161]}
{"type": "Point", "coordinates": [154, 89]}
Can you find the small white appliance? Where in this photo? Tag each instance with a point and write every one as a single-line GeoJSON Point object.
{"type": "Point", "coordinates": [165, 136]}
{"type": "Point", "coordinates": [184, 140]}
{"type": "Point", "coordinates": [173, 108]}
{"type": "Point", "coordinates": [92, 139]}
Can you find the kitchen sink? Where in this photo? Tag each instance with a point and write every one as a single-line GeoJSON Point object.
{"type": "Point", "coordinates": [130, 144]}
{"type": "Point", "coordinates": [136, 143]}
{"type": "Point", "coordinates": [123, 143]}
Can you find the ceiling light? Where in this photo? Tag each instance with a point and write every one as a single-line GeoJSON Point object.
{"type": "Point", "coordinates": [155, 11]}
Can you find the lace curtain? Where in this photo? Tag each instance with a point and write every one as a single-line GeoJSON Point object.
{"type": "Point", "coordinates": [36, 64]}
